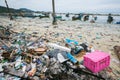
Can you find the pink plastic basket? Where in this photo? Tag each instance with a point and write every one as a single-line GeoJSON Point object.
{"type": "Point", "coordinates": [96, 61]}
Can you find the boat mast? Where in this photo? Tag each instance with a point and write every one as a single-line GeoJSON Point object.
{"type": "Point", "coordinates": [8, 10]}
{"type": "Point", "coordinates": [54, 15]}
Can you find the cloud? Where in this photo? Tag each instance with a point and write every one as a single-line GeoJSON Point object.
{"type": "Point", "coordinates": [65, 5]}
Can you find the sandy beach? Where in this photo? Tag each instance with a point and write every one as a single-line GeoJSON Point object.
{"type": "Point", "coordinates": [102, 36]}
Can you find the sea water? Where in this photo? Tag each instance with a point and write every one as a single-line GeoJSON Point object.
{"type": "Point", "coordinates": [100, 19]}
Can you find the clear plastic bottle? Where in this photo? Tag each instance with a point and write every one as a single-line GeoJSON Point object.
{"type": "Point", "coordinates": [98, 36]}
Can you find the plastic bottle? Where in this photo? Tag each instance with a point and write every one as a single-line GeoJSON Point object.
{"type": "Point", "coordinates": [55, 46]}
{"type": "Point", "coordinates": [98, 36]}
{"type": "Point", "coordinates": [72, 59]}
{"type": "Point", "coordinates": [80, 36]}
{"type": "Point", "coordinates": [18, 63]}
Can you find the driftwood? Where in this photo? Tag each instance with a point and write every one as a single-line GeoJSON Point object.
{"type": "Point", "coordinates": [2, 33]}
{"type": "Point", "coordinates": [83, 71]}
{"type": "Point", "coordinates": [117, 51]}
{"type": "Point", "coordinates": [3, 37]}
{"type": "Point", "coordinates": [17, 74]}
{"type": "Point", "coordinates": [79, 71]}
{"type": "Point", "coordinates": [34, 42]}
{"type": "Point", "coordinates": [4, 43]}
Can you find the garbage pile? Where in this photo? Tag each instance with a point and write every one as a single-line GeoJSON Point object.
{"type": "Point", "coordinates": [27, 57]}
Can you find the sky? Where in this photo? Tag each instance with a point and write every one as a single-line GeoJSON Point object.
{"type": "Point", "coordinates": [73, 6]}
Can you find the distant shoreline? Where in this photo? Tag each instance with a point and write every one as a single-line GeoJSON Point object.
{"type": "Point", "coordinates": [16, 13]}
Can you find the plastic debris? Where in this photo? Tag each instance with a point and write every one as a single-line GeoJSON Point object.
{"type": "Point", "coordinates": [28, 57]}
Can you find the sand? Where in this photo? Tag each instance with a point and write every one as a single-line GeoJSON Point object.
{"type": "Point", "coordinates": [102, 36]}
